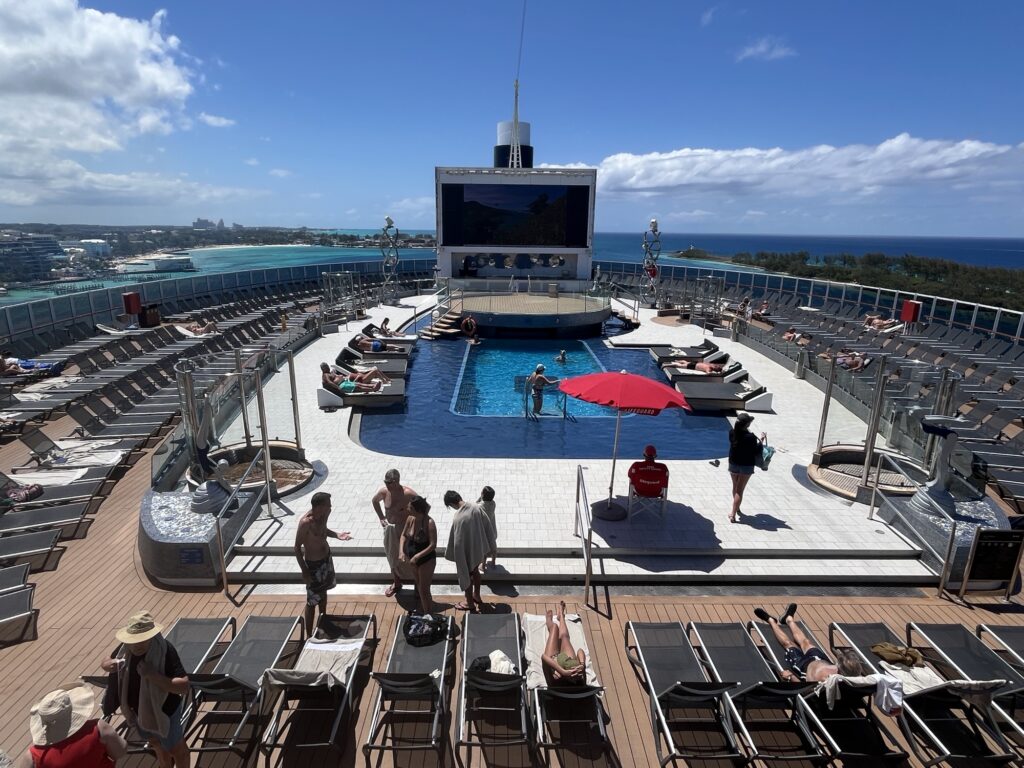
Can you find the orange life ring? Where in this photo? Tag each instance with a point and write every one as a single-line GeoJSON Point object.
{"type": "Point", "coordinates": [468, 326]}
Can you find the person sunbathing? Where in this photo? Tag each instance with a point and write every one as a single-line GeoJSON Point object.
{"type": "Point", "coordinates": [385, 328]}
{"type": "Point", "coordinates": [339, 383]}
{"type": "Point", "coordinates": [879, 323]}
{"type": "Point", "coordinates": [366, 344]}
{"type": "Point", "coordinates": [200, 328]}
{"type": "Point", "coordinates": [563, 665]}
{"type": "Point", "coordinates": [11, 367]}
{"type": "Point", "coordinates": [804, 660]}
{"type": "Point", "coordinates": [792, 334]}
{"type": "Point", "coordinates": [703, 367]}
{"type": "Point", "coordinates": [852, 361]}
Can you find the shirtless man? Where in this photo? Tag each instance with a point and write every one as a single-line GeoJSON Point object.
{"type": "Point", "coordinates": [314, 555]}
{"type": "Point", "coordinates": [703, 367]}
{"type": "Point", "coordinates": [364, 382]}
{"type": "Point", "coordinates": [807, 662]}
{"type": "Point", "coordinates": [391, 503]}
{"type": "Point", "coordinates": [366, 344]}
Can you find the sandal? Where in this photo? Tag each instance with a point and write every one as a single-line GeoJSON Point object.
{"type": "Point", "coordinates": [463, 607]}
{"type": "Point", "coordinates": [390, 591]}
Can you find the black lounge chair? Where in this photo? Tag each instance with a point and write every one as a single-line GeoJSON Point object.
{"type": "Point", "coordinates": [733, 371]}
{"type": "Point", "coordinates": [852, 723]}
{"type": "Point", "coordinates": [492, 709]}
{"type": "Point", "coordinates": [83, 490]}
{"type": "Point", "coordinates": [692, 719]}
{"type": "Point", "coordinates": [16, 605]}
{"type": "Point", "coordinates": [35, 548]}
{"type": "Point", "coordinates": [404, 353]}
{"type": "Point", "coordinates": [233, 685]}
{"type": "Point", "coordinates": [47, 454]}
{"type": "Point", "coordinates": [373, 331]}
{"type": "Point", "coordinates": [747, 396]}
{"type": "Point", "coordinates": [959, 654]}
{"type": "Point", "coordinates": [938, 725]}
{"type": "Point", "coordinates": [409, 712]}
{"type": "Point", "coordinates": [13, 578]}
{"type": "Point", "coordinates": [1010, 642]}
{"type": "Point", "coordinates": [389, 367]}
{"type": "Point", "coordinates": [662, 354]}
{"type": "Point", "coordinates": [66, 519]}
{"type": "Point", "coordinates": [327, 686]}
{"type": "Point", "coordinates": [781, 725]}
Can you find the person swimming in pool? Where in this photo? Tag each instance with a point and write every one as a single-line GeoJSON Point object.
{"type": "Point", "coordinates": [536, 382]}
{"type": "Point", "coordinates": [561, 358]}
{"type": "Point", "coordinates": [563, 664]}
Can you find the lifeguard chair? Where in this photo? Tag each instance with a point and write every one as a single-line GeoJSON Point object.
{"type": "Point", "coordinates": [648, 485]}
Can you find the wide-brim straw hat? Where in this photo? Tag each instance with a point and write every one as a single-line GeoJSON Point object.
{"type": "Point", "coordinates": [744, 418]}
{"type": "Point", "coordinates": [60, 714]}
{"type": "Point", "coordinates": [140, 628]}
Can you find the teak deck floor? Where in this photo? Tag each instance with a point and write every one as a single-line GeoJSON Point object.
{"type": "Point", "coordinates": [98, 583]}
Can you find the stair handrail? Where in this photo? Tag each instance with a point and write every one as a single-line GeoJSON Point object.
{"type": "Point", "coordinates": [584, 524]}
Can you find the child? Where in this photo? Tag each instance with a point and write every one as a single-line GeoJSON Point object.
{"type": "Point", "coordinates": [486, 501]}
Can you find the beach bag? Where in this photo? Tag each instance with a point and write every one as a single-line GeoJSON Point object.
{"type": "Point", "coordinates": [424, 629]}
{"type": "Point", "coordinates": [764, 458]}
{"type": "Point", "coordinates": [897, 654]}
{"type": "Point", "coordinates": [19, 494]}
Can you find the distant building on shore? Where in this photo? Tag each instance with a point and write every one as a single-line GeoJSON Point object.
{"type": "Point", "coordinates": [99, 249]}
{"type": "Point", "coordinates": [26, 256]}
{"type": "Point", "coordinates": [204, 224]}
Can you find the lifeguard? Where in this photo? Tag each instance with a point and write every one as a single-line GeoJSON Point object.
{"type": "Point", "coordinates": [648, 476]}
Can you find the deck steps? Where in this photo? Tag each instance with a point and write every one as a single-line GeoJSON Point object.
{"type": "Point", "coordinates": [446, 326]}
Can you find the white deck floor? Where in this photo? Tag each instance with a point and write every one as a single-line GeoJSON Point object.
{"type": "Point", "coordinates": [536, 497]}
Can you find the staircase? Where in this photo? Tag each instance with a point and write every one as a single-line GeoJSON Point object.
{"type": "Point", "coordinates": [444, 327]}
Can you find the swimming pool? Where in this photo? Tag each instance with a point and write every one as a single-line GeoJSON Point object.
{"type": "Point", "coordinates": [429, 426]}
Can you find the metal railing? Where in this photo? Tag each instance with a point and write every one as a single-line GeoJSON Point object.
{"type": "Point", "coordinates": [585, 530]}
{"type": "Point", "coordinates": [221, 549]}
{"type": "Point", "coordinates": [944, 562]}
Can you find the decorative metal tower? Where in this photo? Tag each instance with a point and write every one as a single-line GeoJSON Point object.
{"type": "Point", "coordinates": [652, 250]}
{"type": "Point", "coordinates": [389, 252]}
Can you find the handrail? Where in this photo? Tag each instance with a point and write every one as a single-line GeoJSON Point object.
{"type": "Point", "coordinates": [220, 514]}
{"type": "Point", "coordinates": [584, 522]}
{"type": "Point", "coordinates": [947, 560]}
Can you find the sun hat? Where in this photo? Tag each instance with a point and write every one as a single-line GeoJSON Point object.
{"type": "Point", "coordinates": [60, 714]}
{"type": "Point", "coordinates": [650, 452]}
{"type": "Point", "coordinates": [539, 368]}
{"type": "Point", "coordinates": [140, 627]}
{"type": "Point", "coordinates": [744, 418]}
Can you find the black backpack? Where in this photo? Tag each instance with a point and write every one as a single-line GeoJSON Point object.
{"type": "Point", "coordinates": [424, 629]}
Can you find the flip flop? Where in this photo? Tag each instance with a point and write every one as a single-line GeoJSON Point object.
{"type": "Point", "coordinates": [464, 607]}
{"type": "Point", "coordinates": [390, 591]}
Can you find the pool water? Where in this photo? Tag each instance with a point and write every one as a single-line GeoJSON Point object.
{"type": "Point", "coordinates": [461, 402]}
{"type": "Point", "coordinates": [492, 379]}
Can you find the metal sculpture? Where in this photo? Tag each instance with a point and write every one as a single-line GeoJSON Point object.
{"type": "Point", "coordinates": [649, 280]}
{"type": "Point", "coordinates": [389, 253]}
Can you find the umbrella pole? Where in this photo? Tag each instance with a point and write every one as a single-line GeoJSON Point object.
{"type": "Point", "coordinates": [615, 454]}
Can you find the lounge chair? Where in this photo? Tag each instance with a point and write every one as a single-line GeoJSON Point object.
{"type": "Point", "coordinates": [390, 367]}
{"type": "Point", "coordinates": [390, 394]}
{"type": "Point", "coordinates": [373, 330]}
{"type": "Point", "coordinates": [733, 371]}
{"type": "Point", "coordinates": [89, 491]}
{"type": "Point", "coordinates": [402, 354]}
{"type": "Point", "coordinates": [749, 395]}
{"type": "Point", "coordinates": [858, 733]}
{"type": "Point", "coordinates": [34, 548]}
{"type": "Point", "coordinates": [233, 686]}
{"type": "Point", "coordinates": [938, 724]}
{"type": "Point", "coordinates": [13, 578]}
{"type": "Point", "coordinates": [320, 682]}
{"type": "Point", "coordinates": [73, 454]}
{"type": "Point", "coordinates": [663, 354]}
{"type": "Point", "coordinates": [560, 712]}
{"type": "Point", "coordinates": [692, 719]}
{"type": "Point", "coordinates": [775, 714]}
{"type": "Point", "coordinates": [959, 654]}
{"type": "Point", "coordinates": [66, 519]}
{"type": "Point", "coordinates": [15, 606]}
{"type": "Point", "coordinates": [492, 708]}
{"type": "Point", "coordinates": [412, 696]}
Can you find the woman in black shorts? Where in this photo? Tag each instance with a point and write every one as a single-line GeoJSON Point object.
{"type": "Point", "coordinates": [419, 547]}
{"type": "Point", "coordinates": [744, 450]}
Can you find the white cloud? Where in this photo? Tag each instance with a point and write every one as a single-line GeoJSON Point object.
{"type": "Point", "coordinates": [75, 80]}
{"type": "Point", "coordinates": [313, 195]}
{"type": "Point", "coordinates": [859, 170]}
{"type": "Point", "coordinates": [415, 208]}
{"type": "Point", "coordinates": [281, 173]}
{"type": "Point", "coordinates": [695, 215]}
{"type": "Point", "coordinates": [251, 161]}
{"type": "Point", "coordinates": [753, 213]}
{"type": "Point", "coordinates": [766, 49]}
{"type": "Point", "coordinates": [352, 212]}
{"type": "Point", "coordinates": [215, 121]}
{"type": "Point", "coordinates": [708, 16]}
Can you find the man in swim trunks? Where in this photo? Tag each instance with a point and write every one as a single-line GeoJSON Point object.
{"type": "Point", "coordinates": [338, 383]}
{"type": "Point", "coordinates": [365, 344]}
{"type": "Point", "coordinates": [391, 503]}
{"type": "Point", "coordinates": [703, 367]}
{"type": "Point", "coordinates": [314, 555]}
{"type": "Point", "coordinates": [806, 661]}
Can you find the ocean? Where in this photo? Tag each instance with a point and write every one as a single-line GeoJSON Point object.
{"type": "Point", "coordinates": [618, 246]}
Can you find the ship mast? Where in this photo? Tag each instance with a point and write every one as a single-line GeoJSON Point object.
{"type": "Point", "coordinates": [515, 155]}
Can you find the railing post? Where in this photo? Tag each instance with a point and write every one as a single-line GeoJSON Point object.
{"type": "Point", "coordinates": [824, 410]}
{"type": "Point", "coordinates": [295, 401]}
{"type": "Point", "coordinates": [267, 467]}
{"type": "Point", "coordinates": [244, 404]}
{"type": "Point", "coordinates": [876, 415]}
{"type": "Point", "coordinates": [223, 561]}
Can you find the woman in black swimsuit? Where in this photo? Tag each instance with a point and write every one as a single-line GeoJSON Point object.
{"type": "Point", "coordinates": [419, 547]}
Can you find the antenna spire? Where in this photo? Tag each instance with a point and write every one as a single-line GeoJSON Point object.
{"type": "Point", "coordinates": [515, 155]}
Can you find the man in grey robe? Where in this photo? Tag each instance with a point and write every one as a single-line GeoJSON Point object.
{"type": "Point", "coordinates": [470, 541]}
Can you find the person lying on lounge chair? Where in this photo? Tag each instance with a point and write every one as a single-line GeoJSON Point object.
{"type": "Point", "coordinates": [703, 367]}
{"type": "Point", "coordinates": [563, 665]}
{"type": "Point", "coordinates": [806, 661]}
{"type": "Point", "coordinates": [200, 328]}
{"type": "Point", "coordinates": [385, 328]}
{"type": "Point", "coordinates": [366, 344]}
{"type": "Point", "coordinates": [12, 366]}
{"type": "Point", "coordinates": [879, 323]}
{"type": "Point", "coordinates": [343, 383]}
{"type": "Point", "coordinates": [792, 334]}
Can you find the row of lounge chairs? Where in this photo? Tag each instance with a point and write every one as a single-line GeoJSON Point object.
{"type": "Point", "coordinates": [715, 692]}
{"type": "Point", "coordinates": [393, 362]}
{"type": "Point", "coordinates": [734, 389]}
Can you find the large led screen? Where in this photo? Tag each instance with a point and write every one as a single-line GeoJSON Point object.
{"type": "Point", "coordinates": [553, 216]}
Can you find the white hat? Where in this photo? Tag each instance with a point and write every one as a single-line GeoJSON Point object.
{"type": "Point", "coordinates": [539, 368]}
{"type": "Point", "coordinates": [60, 714]}
{"type": "Point", "coordinates": [140, 628]}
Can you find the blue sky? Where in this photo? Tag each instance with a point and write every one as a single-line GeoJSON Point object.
{"type": "Point", "coordinates": [788, 117]}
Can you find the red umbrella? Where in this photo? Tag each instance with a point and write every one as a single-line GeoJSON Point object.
{"type": "Point", "coordinates": [623, 391]}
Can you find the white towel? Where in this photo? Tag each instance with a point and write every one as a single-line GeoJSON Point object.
{"type": "Point", "coordinates": [536, 630]}
{"type": "Point", "coordinates": [501, 664]}
{"type": "Point", "coordinates": [888, 690]}
{"type": "Point", "coordinates": [49, 477]}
